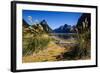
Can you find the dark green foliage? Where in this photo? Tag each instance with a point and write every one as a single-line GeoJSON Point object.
{"type": "Point", "coordinates": [84, 44]}
{"type": "Point", "coordinates": [84, 35]}
{"type": "Point", "coordinates": [35, 44]}
{"type": "Point", "coordinates": [72, 53]}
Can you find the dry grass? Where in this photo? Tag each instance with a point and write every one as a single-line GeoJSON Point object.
{"type": "Point", "coordinates": [48, 54]}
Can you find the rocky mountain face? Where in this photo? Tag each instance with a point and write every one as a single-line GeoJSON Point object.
{"type": "Point", "coordinates": [84, 23]}
{"type": "Point", "coordinates": [41, 27]}
{"type": "Point", "coordinates": [65, 29]}
{"type": "Point", "coordinates": [25, 24]}
{"type": "Point", "coordinates": [45, 26]}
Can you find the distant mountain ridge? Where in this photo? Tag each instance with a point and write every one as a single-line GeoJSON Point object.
{"type": "Point", "coordinates": [64, 29]}
{"type": "Point", "coordinates": [43, 26]}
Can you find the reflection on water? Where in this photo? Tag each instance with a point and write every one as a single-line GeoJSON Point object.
{"type": "Point", "coordinates": [64, 39]}
{"type": "Point", "coordinates": [64, 35]}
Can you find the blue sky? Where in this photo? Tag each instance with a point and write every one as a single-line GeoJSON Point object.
{"type": "Point", "coordinates": [54, 19]}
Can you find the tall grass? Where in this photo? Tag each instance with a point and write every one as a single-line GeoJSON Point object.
{"type": "Point", "coordinates": [84, 44]}
{"type": "Point", "coordinates": [35, 44]}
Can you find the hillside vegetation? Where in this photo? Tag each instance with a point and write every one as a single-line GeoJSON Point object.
{"type": "Point", "coordinates": [41, 43]}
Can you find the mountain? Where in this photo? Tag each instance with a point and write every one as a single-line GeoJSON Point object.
{"type": "Point", "coordinates": [25, 24]}
{"type": "Point", "coordinates": [63, 29]}
{"type": "Point", "coordinates": [84, 23]}
{"type": "Point", "coordinates": [45, 26]}
{"type": "Point", "coordinates": [40, 27]}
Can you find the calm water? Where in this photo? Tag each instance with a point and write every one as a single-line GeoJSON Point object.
{"type": "Point", "coordinates": [64, 35]}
